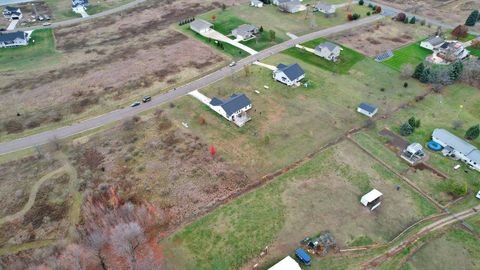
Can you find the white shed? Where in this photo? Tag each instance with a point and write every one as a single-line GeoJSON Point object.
{"type": "Point", "coordinates": [371, 199]}
{"type": "Point", "coordinates": [288, 263]}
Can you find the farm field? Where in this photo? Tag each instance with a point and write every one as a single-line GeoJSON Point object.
{"type": "Point", "coordinates": [298, 204]}
{"type": "Point", "coordinates": [412, 54]}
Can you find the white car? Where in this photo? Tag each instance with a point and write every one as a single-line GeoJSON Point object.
{"type": "Point", "coordinates": [478, 195]}
{"type": "Point", "coordinates": [232, 64]}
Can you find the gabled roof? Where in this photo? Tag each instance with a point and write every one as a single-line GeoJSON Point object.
{"type": "Point", "coordinates": [453, 141]}
{"type": "Point", "coordinates": [200, 24]}
{"type": "Point", "coordinates": [233, 104]}
{"type": "Point", "coordinates": [245, 30]}
{"type": "Point", "coordinates": [435, 41]}
{"type": "Point", "coordinates": [293, 71]}
{"type": "Point", "coordinates": [288, 263]}
{"type": "Point", "coordinates": [325, 7]}
{"type": "Point", "coordinates": [475, 156]}
{"type": "Point", "coordinates": [367, 107]}
{"type": "Point", "coordinates": [10, 37]}
{"type": "Point", "coordinates": [11, 9]}
{"type": "Point", "coordinates": [370, 197]}
{"type": "Point", "coordinates": [330, 46]}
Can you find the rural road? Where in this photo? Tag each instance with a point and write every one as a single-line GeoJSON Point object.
{"type": "Point", "coordinates": [67, 131]}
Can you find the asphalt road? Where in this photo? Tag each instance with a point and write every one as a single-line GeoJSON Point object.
{"type": "Point", "coordinates": [67, 131]}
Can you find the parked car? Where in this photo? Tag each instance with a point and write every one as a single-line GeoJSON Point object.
{"type": "Point", "coordinates": [232, 64]}
{"type": "Point", "coordinates": [46, 24]}
{"type": "Point", "coordinates": [478, 195]}
{"type": "Point", "coordinates": [303, 256]}
{"type": "Point", "coordinates": [146, 99]}
{"type": "Point", "coordinates": [135, 104]}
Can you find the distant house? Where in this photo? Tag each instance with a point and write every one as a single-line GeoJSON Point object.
{"type": "Point", "coordinates": [234, 108]}
{"type": "Point", "coordinates": [367, 109]}
{"type": "Point", "coordinates": [457, 148]}
{"type": "Point", "coordinates": [245, 31]}
{"type": "Point", "coordinates": [14, 39]}
{"type": "Point", "coordinates": [12, 13]}
{"type": "Point", "coordinates": [292, 6]}
{"type": "Point", "coordinates": [256, 3]}
{"type": "Point", "coordinates": [328, 51]}
{"type": "Point", "coordinates": [289, 75]}
{"type": "Point", "coordinates": [452, 51]}
{"type": "Point", "coordinates": [288, 263]}
{"type": "Point", "coordinates": [432, 43]}
{"type": "Point", "coordinates": [200, 26]}
{"type": "Point", "coordinates": [326, 9]}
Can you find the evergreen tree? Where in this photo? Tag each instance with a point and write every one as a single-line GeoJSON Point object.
{"type": "Point", "coordinates": [406, 129]}
{"type": "Point", "coordinates": [412, 122]}
{"type": "Point", "coordinates": [472, 19]}
{"type": "Point", "coordinates": [406, 19]}
{"type": "Point", "coordinates": [425, 76]}
{"type": "Point", "coordinates": [473, 133]}
{"type": "Point", "coordinates": [456, 70]}
{"type": "Point", "coordinates": [361, 2]}
{"type": "Point", "coordinates": [413, 20]}
{"type": "Point", "coordinates": [418, 71]}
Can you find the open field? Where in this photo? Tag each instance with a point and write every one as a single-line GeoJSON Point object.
{"type": "Point", "coordinates": [92, 76]}
{"type": "Point", "coordinates": [296, 205]}
{"type": "Point", "coordinates": [412, 54]}
{"type": "Point", "coordinates": [382, 36]}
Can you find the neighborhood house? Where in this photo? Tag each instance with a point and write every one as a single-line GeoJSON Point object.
{"type": "Point", "coordinates": [289, 75]}
{"type": "Point", "coordinates": [79, 6]}
{"type": "Point", "coordinates": [413, 153]}
{"type": "Point", "coordinates": [234, 108]}
{"type": "Point", "coordinates": [444, 52]}
{"type": "Point", "coordinates": [326, 9]}
{"type": "Point", "coordinates": [367, 109]}
{"type": "Point", "coordinates": [14, 39]}
{"type": "Point", "coordinates": [245, 32]}
{"type": "Point", "coordinates": [256, 3]}
{"type": "Point", "coordinates": [201, 26]}
{"type": "Point", "coordinates": [291, 6]}
{"type": "Point", "coordinates": [457, 148]}
{"type": "Point", "coordinates": [372, 199]}
{"type": "Point", "coordinates": [12, 13]}
{"type": "Point", "coordinates": [328, 51]}
{"type": "Point", "coordinates": [432, 43]}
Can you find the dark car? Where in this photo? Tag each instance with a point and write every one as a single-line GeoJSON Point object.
{"type": "Point", "coordinates": [135, 104]}
{"type": "Point", "coordinates": [146, 99]}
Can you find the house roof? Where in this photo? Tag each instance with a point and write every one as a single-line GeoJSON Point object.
{"type": "Point", "coordinates": [10, 37]}
{"type": "Point", "coordinates": [293, 71]}
{"type": "Point", "coordinates": [245, 29]}
{"type": "Point", "coordinates": [11, 9]}
{"type": "Point", "coordinates": [414, 148]}
{"type": "Point", "coordinates": [256, 2]}
{"type": "Point", "coordinates": [367, 107]}
{"type": "Point", "coordinates": [330, 46]}
{"type": "Point", "coordinates": [288, 263]}
{"type": "Point", "coordinates": [435, 41]}
{"type": "Point", "coordinates": [231, 105]}
{"type": "Point", "coordinates": [453, 141]}
{"type": "Point", "coordinates": [370, 197]}
{"type": "Point", "coordinates": [200, 24]}
{"type": "Point", "coordinates": [475, 156]}
{"type": "Point", "coordinates": [325, 7]}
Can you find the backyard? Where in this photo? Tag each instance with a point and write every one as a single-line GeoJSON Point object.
{"type": "Point", "coordinates": [411, 54]}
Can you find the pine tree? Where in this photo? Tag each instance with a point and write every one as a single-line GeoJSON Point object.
{"type": "Point", "coordinates": [412, 122]}
{"type": "Point", "coordinates": [413, 20]}
{"type": "Point", "coordinates": [361, 2]}
{"type": "Point", "coordinates": [406, 19]}
{"type": "Point", "coordinates": [418, 71]}
{"type": "Point", "coordinates": [425, 76]}
{"type": "Point", "coordinates": [472, 19]}
{"type": "Point", "coordinates": [456, 70]}
{"type": "Point", "coordinates": [406, 129]}
{"type": "Point", "coordinates": [473, 133]}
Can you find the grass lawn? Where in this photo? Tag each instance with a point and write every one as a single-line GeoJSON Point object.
{"type": "Point", "coordinates": [474, 51]}
{"type": "Point", "coordinates": [348, 57]}
{"type": "Point", "coordinates": [35, 54]}
{"type": "Point", "coordinates": [412, 54]}
{"type": "Point", "coordinates": [298, 204]}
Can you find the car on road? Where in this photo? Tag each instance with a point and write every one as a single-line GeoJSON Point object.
{"type": "Point", "coordinates": [135, 104]}
{"type": "Point", "coordinates": [46, 24]}
{"type": "Point", "coordinates": [478, 195]}
{"type": "Point", "coordinates": [232, 64]}
{"type": "Point", "coordinates": [146, 99]}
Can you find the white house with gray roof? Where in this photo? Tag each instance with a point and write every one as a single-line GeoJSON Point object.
{"type": "Point", "coordinates": [12, 13]}
{"type": "Point", "coordinates": [457, 148]}
{"type": "Point", "coordinates": [14, 39]}
{"type": "Point", "coordinates": [234, 109]}
{"type": "Point", "coordinates": [326, 9]}
{"type": "Point", "coordinates": [201, 26]}
{"type": "Point", "coordinates": [328, 51]}
{"type": "Point", "coordinates": [245, 32]}
{"type": "Point", "coordinates": [289, 74]}
{"type": "Point", "coordinates": [367, 109]}
{"type": "Point", "coordinates": [432, 43]}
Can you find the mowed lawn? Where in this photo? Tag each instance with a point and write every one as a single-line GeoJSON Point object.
{"type": "Point", "coordinates": [321, 195]}
{"type": "Point", "coordinates": [412, 54]}
{"type": "Point", "coordinates": [348, 57]}
{"type": "Point", "coordinates": [474, 51]}
{"type": "Point", "coordinates": [40, 49]}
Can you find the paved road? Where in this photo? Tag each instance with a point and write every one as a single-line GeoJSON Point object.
{"type": "Point", "coordinates": [64, 132]}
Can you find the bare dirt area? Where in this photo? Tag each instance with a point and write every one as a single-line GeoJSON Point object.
{"type": "Point", "coordinates": [106, 62]}
{"type": "Point", "coordinates": [450, 11]}
{"type": "Point", "coordinates": [382, 36]}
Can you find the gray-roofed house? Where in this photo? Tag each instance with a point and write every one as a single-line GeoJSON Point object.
{"type": "Point", "coordinates": [326, 9]}
{"type": "Point", "coordinates": [328, 51]}
{"type": "Point", "coordinates": [292, 6]}
{"type": "Point", "coordinates": [367, 109]}
{"type": "Point", "coordinates": [245, 31]}
{"type": "Point", "coordinates": [13, 39]}
{"type": "Point", "coordinates": [80, 4]}
{"type": "Point", "coordinates": [256, 3]}
{"type": "Point", "coordinates": [200, 26]}
{"type": "Point", "coordinates": [234, 108]}
{"type": "Point", "coordinates": [12, 13]}
{"type": "Point", "coordinates": [289, 74]}
{"type": "Point", "coordinates": [432, 43]}
{"type": "Point", "coordinates": [457, 148]}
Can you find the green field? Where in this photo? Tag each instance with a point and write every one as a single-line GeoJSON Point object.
{"type": "Point", "coordinates": [348, 57]}
{"type": "Point", "coordinates": [40, 49]}
{"type": "Point", "coordinates": [474, 51]}
{"type": "Point", "coordinates": [412, 54]}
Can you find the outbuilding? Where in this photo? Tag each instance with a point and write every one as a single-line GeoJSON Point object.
{"type": "Point", "coordinates": [457, 148]}
{"type": "Point", "coordinates": [287, 263]}
{"type": "Point", "coordinates": [256, 3]}
{"type": "Point", "coordinates": [201, 26]}
{"type": "Point", "coordinates": [372, 199]}
{"type": "Point", "coordinates": [367, 109]}
{"type": "Point", "coordinates": [326, 9]}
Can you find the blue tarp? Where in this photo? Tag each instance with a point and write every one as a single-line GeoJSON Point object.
{"type": "Point", "coordinates": [302, 256]}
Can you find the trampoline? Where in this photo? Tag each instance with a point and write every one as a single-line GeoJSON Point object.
{"type": "Point", "coordinates": [434, 146]}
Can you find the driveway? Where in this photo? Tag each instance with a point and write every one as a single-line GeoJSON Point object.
{"type": "Point", "coordinates": [12, 25]}
{"type": "Point", "coordinates": [121, 114]}
{"type": "Point", "coordinates": [213, 34]}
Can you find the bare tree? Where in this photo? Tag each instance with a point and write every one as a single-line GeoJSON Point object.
{"type": "Point", "coordinates": [96, 241]}
{"type": "Point", "coordinates": [93, 158]}
{"type": "Point", "coordinates": [126, 238]}
{"type": "Point", "coordinates": [406, 71]}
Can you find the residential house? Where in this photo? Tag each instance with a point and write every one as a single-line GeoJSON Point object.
{"type": "Point", "coordinates": [78, 5]}
{"type": "Point", "coordinates": [432, 43]}
{"type": "Point", "coordinates": [201, 26]}
{"type": "Point", "coordinates": [413, 153]}
{"type": "Point", "coordinates": [328, 51]}
{"type": "Point", "coordinates": [245, 31]}
{"type": "Point", "coordinates": [457, 148]}
{"type": "Point", "coordinates": [233, 109]}
{"type": "Point", "coordinates": [367, 109]}
{"type": "Point", "coordinates": [326, 9]}
{"type": "Point", "coordinates": [12, 13]}
{"type": "Point", "coordinates": [451, 51]}
{"type": "Point", "coordinates": [289, 75]}
{"type": "Point", "coordinates": [14, 39]}
{"type": "Point", "coordinates": [256, 3]}
{"type": "Point", "coordinates": [292, 6]}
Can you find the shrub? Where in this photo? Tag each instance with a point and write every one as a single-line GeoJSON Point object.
{"type": "Point", "coordinates": [361, 2]}
{"type": "Point", "coordinates": [350, 17]}
{"type": "Point", "coordinates": [369, 13]}
{"type": "Point", "coordinates": [423, 22]}
{"type": "Point", "coordinates": [401, 17]}
{"type": "Point", "coordinates": [406, 129]}
{"type": "Point", "coordinates": [13, 126]}
{"type": "Point", "coordinates": [461, 31]}
{"type": "Point", "coordinates": [378, 9]}
{"type": "Point", "coordinates": [455, 188]}
{"type": "Point", "coordinates": [405, 84]}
